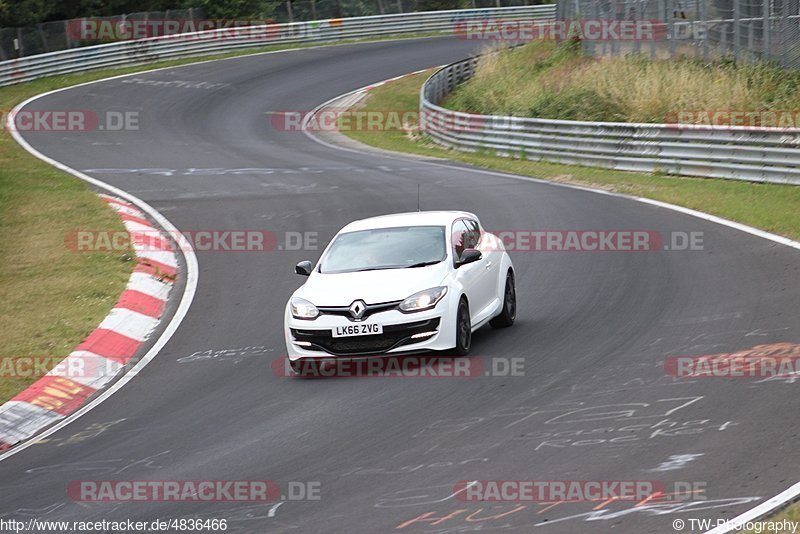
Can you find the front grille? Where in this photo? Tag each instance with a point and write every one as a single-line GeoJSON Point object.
{"type": "Point", "coordinates": [393, 336]}
{"type": "Point", "coordinates": [344, 311]}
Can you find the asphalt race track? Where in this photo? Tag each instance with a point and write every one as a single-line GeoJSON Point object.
{"type": "Point", "coordinates": [593, 329]}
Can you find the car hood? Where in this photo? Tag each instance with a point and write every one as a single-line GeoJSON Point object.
{"type": "Point", "coordinates": [373, 287]}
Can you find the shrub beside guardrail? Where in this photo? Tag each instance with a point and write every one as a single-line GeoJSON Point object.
{"type": "Point", "coordinates": [135, 52]}
{"type": "Point", "coordinates": [754, 154]}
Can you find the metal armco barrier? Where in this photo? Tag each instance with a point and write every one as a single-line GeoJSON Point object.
{"type": "Point", "coordinates": [135, 52]}
{"type": "Point", "coordinates": [753, 154]}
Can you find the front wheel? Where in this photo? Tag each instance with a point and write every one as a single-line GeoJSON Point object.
{"type": "Point", "coordinates": [305, 367]}
{"type": "Point", "coordinates": [509, 312]}
{"type": "Point", "coordinates": [463, 329]}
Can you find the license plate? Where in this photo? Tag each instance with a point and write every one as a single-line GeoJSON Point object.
{"type": "Point", "coordinates": [360, 329]}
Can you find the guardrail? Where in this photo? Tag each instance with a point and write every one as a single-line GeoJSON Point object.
{"type": "Point", "coordinates": [753, 154]}
{"type": "Point", "coordinates": [135, 52]}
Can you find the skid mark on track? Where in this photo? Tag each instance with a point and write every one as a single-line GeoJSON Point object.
{"type": "Point", "coordinates": [235, 355]}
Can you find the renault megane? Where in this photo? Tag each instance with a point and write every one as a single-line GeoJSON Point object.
{"type": "Point", "coordinates": [398, 284]}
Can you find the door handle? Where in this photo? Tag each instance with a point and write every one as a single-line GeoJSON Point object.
{"type": "Point", "coordinates": [489, 264]}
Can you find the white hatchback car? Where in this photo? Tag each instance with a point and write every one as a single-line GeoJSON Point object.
{"type": "Point", "coordinates": [398, 284]}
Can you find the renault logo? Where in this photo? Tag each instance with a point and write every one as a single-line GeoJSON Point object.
{"type": "Point", "coordinates": [357, 309]}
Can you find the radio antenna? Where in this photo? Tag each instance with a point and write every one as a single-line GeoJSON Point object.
{"type": "Point", "coordinates": [418, 197]}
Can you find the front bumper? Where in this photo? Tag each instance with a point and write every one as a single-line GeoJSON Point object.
{"type": "Point", "coordinates": [402, 332]}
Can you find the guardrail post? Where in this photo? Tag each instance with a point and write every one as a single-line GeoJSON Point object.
{"type": "Point", "coordinates": [20, 46]}
{"type": "Point", "coordinates": [736, 30]}
{"type": "Point", "coordinates": [767, 52]}
{"type": "Point", "coordinates": [702, 10]}
{"type": "Point", "coordinates": [671, 31]}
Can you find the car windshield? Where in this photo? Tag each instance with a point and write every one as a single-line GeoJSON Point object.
{"type": "Point", "coordinates": [385, 248]}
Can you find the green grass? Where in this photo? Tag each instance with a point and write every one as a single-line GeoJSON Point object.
{"type": "Point", "coordinates": [775, 208]}
{"type": "Point", "coordinates": [53, 297]}
{"type": "Point", "coordinates": [547, 81]}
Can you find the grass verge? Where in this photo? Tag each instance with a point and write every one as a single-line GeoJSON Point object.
{"type": "Point", "coordinates": [53, 297]}
{"type": "Point", "coordinates": [772, 207]}
{"type": "Point", "coordinates": [775, 524]}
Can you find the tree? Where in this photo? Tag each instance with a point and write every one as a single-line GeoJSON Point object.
{"type": "Point", "coordinates": [25, 12]}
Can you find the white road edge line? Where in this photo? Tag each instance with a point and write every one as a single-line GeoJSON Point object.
{"type": "Point", "coordinates": [770, 505]}
{"type": "Point", "coordinates": [192, 271]}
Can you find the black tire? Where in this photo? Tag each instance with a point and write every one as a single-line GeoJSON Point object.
{"type": "Point", "coordinates": [463, 329]}
{"type": "Point", "coordinates": [305, 367]}
{"type": "Point", "coordinates": [296, 365]}
{"type": "Point", "coordinates": [509, 313]}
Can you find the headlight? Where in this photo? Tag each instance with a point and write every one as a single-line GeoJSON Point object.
{"type": "Point", "coordinates": [302, 309]}
{"type": "Point", "coordinates": [424, 300]}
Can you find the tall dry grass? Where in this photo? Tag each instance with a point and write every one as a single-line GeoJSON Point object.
{"type": "Point", "coordinates": [548, 81]}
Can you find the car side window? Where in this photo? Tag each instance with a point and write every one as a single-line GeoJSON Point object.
{"type": "Point", "coordinates": [460, 239]}
{"type": "Point", "coordinates": [473, 236]}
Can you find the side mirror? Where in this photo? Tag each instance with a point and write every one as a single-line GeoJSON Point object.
{"type": "Point", "coordinates": [469, 255]}
{"type": "Point", "coordinates": [303, 268]}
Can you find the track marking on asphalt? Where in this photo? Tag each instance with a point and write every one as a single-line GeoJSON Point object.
{"type": "Point", "coordinates": [676, 461]}
{"type": "Point", "coordinates": [235, 355]}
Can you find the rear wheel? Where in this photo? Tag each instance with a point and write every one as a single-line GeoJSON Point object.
{"type": "Point", "coordinates": [509, 312]}
{"type": "Point", "coordinates": [463, 329]}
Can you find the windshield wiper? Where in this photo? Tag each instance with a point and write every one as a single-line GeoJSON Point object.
{"type": "Point", "coordinates": [382, 268]}
{"type": "Point", "coordinates": [423, 264]}
{"type": "Point", "coordinates": [385, 267]}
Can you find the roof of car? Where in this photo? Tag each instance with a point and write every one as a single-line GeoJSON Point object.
{"type": "Point", "coordinates": [412, 218]}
